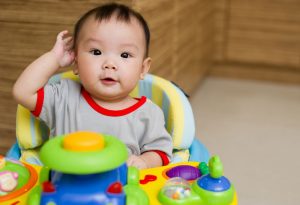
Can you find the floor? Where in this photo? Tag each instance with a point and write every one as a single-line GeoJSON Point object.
{"type": "Point", "coordinates": [255, 129]}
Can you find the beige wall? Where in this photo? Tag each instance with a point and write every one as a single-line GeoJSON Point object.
{"type": "Point", "coordinates": [258, 39]}
{"type": "Point", "coordinates": [181, 45]}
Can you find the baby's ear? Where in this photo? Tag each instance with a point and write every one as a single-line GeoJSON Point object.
{"type": "Point", "coordinates": [145, 67]}
{"type": "Point", "coordinates": [75, 66]}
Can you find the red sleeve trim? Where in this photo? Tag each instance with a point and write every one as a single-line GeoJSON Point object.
{"type": "Point", "coordinates": [163, 156]}
{"type": "Point", "coordinates": [39, 102]}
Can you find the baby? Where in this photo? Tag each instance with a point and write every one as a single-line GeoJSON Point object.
{"type": "Point", "coordinates": [109, 51]}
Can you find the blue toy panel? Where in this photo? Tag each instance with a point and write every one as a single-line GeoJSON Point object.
{"type": "Point", "coordinates": [88, 189]}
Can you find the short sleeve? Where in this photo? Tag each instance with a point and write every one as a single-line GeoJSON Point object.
{"type": "Point", "coordinates": [55, 97]}
{"type": "Point", "coordinates": [156, 137]}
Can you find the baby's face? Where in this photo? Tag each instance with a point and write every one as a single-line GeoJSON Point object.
{"type": "Point", "coordinates": [110, 57]}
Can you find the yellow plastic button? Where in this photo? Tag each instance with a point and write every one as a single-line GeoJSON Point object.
{"type": "Point", "coordinates": [83, 141]}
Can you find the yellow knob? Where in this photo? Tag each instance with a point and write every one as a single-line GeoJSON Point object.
{"type": "Point", "coordinates": [83, 141]}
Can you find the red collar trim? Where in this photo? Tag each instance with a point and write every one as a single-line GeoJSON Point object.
{"type": "Point", "coordinates": [112, 113]}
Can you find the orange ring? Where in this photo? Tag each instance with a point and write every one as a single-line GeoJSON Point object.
{"type": "Point", "coordinates": [32, 181]}
{"type": "Point", "coordinates": [164, 173]}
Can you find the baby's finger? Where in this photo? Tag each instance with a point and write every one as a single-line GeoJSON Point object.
{"type": "Point", "coordinates": [68, 47]}
{"type": "Point", "coordinates": [61, 35]}
{"type": "Point", "coordinates": [68, 43]}
{"type": "Point", "coordinates": [67, 40]}
{"type": "Point", "coordinates": [130, 160]}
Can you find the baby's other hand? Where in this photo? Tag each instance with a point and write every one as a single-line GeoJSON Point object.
{"type": "Point", "coordinates": [137, 162]}
{"type": "Point", "coordinates": [63, 49]}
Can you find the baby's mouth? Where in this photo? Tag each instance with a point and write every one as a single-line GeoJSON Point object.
{"type": "Point", "coordinates": [108, 81]}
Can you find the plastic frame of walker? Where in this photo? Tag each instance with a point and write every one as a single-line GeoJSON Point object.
{"type": "Point", "coordinates": [95, 172]}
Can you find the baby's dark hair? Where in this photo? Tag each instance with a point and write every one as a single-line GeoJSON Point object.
{"type": "Point", "coordinates": [105, 12]}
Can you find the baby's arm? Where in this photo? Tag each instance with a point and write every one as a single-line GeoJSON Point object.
{"type": "Point", "coordinates": [37, 74]}
{"type": "Point", "coordinates": [156, 143]}
{"type": "Point", "coordinates": [146, 160]}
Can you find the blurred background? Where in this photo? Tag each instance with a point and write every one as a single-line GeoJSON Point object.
{"type": "Point", "coordinates": [239, 61]}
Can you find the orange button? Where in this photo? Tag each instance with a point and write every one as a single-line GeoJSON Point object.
{"type": "Point", "coordinates": [83, 141]}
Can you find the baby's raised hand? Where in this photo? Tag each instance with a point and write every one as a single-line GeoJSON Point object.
{"type": "Point", "coordinates": [63, 49]}
{"type": "Point", "coordinates": [136, 161]}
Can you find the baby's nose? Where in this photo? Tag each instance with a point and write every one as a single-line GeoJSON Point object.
{"type": "Point", "coordinates": [109, 65]}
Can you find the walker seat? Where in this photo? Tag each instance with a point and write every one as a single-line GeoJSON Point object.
{"type": "Point", "coordinates": [32, 133]}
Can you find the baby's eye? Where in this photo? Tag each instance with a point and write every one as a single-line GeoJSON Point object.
{"type": "Point", "coordinates": [125, 55]}
{"type": "Point", "coordinates": [96, 52]}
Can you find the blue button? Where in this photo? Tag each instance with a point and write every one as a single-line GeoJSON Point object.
{"type": "Point", "coordinates": [214, 184]}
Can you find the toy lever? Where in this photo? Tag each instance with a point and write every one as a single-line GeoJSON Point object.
{"type": "Point", "coordinates": [215, 167]}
